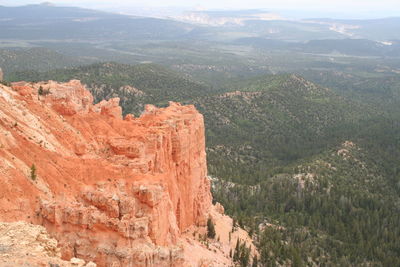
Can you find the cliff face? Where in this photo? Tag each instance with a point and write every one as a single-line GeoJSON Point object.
{"type": "Point", "coordinates": [118, 192]}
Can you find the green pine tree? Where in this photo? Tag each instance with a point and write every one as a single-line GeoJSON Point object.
{"type": "Point", "coordinates": [236, 253]}
{"type": "Point", "coordinates": [33, 172]}
{"type": "Point", "coordinates": [41, 91]}
{"type": "Point", "coordinates": [255, 261]}
{"type": "Point", "coordinates": [210, 229]}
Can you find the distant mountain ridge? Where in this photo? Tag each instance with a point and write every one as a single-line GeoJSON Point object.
{"type": "Point", "coordinates": [39, 22]}
{"type": "Point", "coordinates": [85, 24]}
{"type": "Point", "coordinates": [347, 46]}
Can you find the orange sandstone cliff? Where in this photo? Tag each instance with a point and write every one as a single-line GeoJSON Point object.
{"type": "Point", "coordinates": [118, 192]}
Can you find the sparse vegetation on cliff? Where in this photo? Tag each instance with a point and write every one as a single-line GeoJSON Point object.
{"type": "Point", "coordinates": [241, 254]}
{"type": "Point", "coordinates": [3, 82]}
{"type": "Point", "coordinates": [210, 228]}
{"type": "Point", "coordinates": [33, 174]}
{"type": "Point", "coordinates": [43, 92]}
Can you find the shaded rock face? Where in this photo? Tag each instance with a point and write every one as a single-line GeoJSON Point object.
{"type": "Point", "coordinates": [1, 75]}
{"type": "Point", "coordinates": [112, 191]}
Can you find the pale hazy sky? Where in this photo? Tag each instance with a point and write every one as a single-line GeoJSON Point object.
{"type": "Point", "coordinates": [372, 8]}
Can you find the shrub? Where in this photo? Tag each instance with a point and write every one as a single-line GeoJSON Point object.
{"type": "Point", "coordinates": [210, 229]}
{"type": "Point", "coordinates": [42, 91]}
{"type": "Point", "coordinates": [33, 172]}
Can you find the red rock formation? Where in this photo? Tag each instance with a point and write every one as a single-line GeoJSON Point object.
{"type": "Point", "coordinates": [112, 191]}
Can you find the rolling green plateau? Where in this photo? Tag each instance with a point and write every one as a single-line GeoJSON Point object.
{"type": "Point", "coordinates": [311, 172]}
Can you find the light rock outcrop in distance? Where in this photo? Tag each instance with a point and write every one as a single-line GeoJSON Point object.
{"type": "Point", "coordinates": [1, 75]}
{"type": "Point", "coordinates": [118, 192]}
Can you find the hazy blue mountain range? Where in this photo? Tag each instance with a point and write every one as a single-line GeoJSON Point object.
{"type": "Point", "coordinates": [47, 22]}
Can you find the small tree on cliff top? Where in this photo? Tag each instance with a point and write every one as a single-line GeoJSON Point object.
{"type": "Point", "coordinates": [41, 91]}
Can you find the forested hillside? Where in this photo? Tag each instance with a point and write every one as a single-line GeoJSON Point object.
{"type": "Point", "coordinates": [38, 59]}
{"type": "Point", "coordinates": [333, 208]}
{"type": "Point", "coordinates": [274, 121]}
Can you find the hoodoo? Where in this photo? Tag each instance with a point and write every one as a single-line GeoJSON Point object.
{"type": "Point", "coordinates": [118, 192]}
